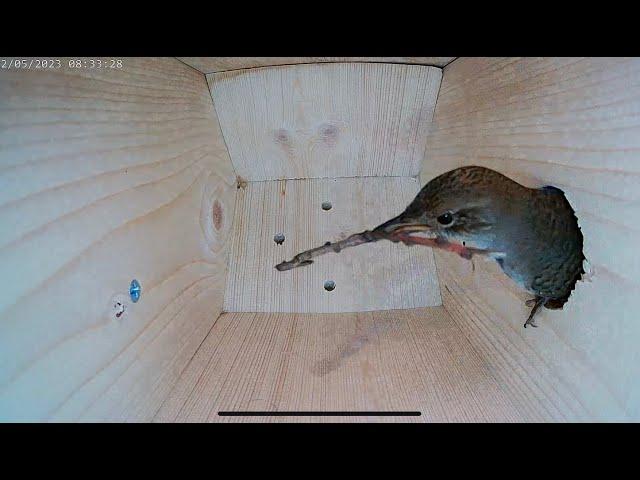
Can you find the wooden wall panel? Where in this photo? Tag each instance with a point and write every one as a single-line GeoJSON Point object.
{"type": "Point", "coordinates": [573, 123]}
{"type": "Point", "coordinates": [401, 360]}
{"type": "Point", "coordinates": [107, 176]}
{"type": "Point", "coordinates": [221, 64]}
{"type": "Point", "coordinates": [326, 121]}
{"type": "Point", "coordinates": [377, 276]}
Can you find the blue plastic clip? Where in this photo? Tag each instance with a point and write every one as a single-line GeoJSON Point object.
{"type": "Point", "coordinates": [134, 291]}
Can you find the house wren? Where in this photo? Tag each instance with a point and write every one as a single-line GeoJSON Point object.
{"type": "Point", "coordinates": [532, 233]}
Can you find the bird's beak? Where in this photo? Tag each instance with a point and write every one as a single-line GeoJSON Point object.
{"type": "Point", "coordinates": [402, 223]}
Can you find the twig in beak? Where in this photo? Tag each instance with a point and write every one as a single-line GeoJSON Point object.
{"type": "Point", "coordinates": [399, 234]}
{"type": "Point", "coordinates": [304, 258]}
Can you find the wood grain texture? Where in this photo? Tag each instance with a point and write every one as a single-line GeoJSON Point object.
{"type": "Point", "coordinates": [402, 360]}
{"type": "Point", "coordinates": [375, 276]}
{"type": "Point", "coordinates": [221, 64]}
{"type": "Point", "coordinates": [575, 124]}
{"type": "Point", "coordinates": [107, 176]}
{"type": "Point", "coordinates": [326, 121]}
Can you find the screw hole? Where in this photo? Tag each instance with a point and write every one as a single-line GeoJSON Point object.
{"type": "Point", "coordinates": [329, 285]}
{"type": "Point", "coordinates": [119, 309]}
{"type": "Point", "coordinates": [326, 205]}
{"type": "Point", "coordinates": [278, 238]}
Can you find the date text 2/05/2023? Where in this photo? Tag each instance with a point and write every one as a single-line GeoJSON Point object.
{"type": "Point", "coordinates": [57, 63]}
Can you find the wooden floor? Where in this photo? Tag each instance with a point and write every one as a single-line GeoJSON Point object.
{"type": "Point", "coordinates": [399, 360]}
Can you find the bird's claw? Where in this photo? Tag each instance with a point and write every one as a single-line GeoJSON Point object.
{"type": "Point", "coordinates": [537, 303]}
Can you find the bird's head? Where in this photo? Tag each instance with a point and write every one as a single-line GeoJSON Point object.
{"type": "Point", "coordinates": [463, 205]}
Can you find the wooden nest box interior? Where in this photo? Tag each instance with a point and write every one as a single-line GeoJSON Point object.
{"type": "Point", "coordinates": [195, 176]}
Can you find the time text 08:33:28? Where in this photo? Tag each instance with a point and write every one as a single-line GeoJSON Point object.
{"type": "Point", "coordinates": [55, 63]}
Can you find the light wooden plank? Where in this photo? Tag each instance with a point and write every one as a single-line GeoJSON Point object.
{"type": "Point", "coordinates": [377, 276]}
{"type": "Point", "coordinates": [490, 311]}
{"type": "Point", "coordinates": [107, 176]}
{"type": "Point", "coordinates": [403, 360]}
{"type": "Point", "coordinates": [221, 64]}
{"type": "Point", "coordinates": [326, 121]}
{"type": "Point", "coordinates": [573, 123]}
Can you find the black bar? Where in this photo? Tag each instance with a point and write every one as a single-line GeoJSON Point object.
{"type": "Point", "coordinates": [319, 414]}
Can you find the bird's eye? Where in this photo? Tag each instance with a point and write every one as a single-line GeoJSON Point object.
{"type": "Point", "coordinates": [445, 218]}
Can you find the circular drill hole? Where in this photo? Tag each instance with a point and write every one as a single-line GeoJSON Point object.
{"type": "Point", "coordinates": [329, 285]}
{"type": "Point", "coordinates": [278, 238]}
{"type": "Point", "coordinates": [326, 205]}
